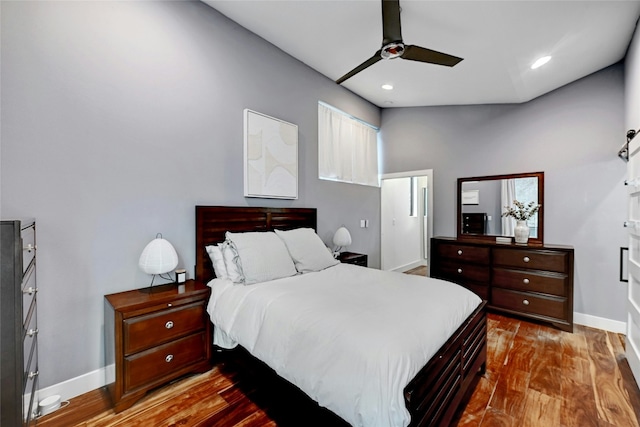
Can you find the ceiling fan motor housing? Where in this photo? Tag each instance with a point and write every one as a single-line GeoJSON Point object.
{"type": "Point", "coordinates": [392, 50]}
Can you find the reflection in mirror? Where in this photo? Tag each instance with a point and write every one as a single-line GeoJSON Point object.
{"type": "Point", "coordinates": [486, 212]}
{"type": "Point", "coordinates": [483, 200]}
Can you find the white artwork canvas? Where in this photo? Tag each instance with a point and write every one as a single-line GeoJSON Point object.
{"type": "Point", "coordinates": [270, 157]}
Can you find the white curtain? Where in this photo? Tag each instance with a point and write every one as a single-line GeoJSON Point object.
{"type": "Point", "coordinates": [508, 196]}
{"type": "Point", "coordinates": [347, 148]}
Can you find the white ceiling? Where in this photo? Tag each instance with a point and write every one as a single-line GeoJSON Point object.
{"type": "Point", "coordinates": [498, 40]}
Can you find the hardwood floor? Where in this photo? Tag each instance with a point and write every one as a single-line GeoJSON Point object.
{"type": "Point", "coordinates": [536, 377]}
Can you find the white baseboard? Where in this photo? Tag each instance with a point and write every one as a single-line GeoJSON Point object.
{"type": "Point", "coordinates": [410, 266]}
{"type": "Point", "coordinates": [79, 385]}
{"type": "Point", "coordinates": [600, 323]}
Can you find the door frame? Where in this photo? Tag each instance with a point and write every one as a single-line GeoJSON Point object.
{"type": "Point", "coordinates": [423, 172]}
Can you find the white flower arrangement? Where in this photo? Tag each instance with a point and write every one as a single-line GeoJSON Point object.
{"type": "Point", "coordinates": [520, 211]}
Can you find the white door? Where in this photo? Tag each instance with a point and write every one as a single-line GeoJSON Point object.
{"type": "Point", "coordinates": [633, 225]}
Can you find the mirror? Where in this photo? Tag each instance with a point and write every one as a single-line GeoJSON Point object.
{"type": "Point", "coordinates": [482, 200]}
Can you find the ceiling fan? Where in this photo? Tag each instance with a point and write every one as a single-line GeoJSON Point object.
{"type": "Point", "coordinates": [393, 47]}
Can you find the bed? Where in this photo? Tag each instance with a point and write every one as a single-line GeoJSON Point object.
{"type": "Point", "coordinates": [427, 394]}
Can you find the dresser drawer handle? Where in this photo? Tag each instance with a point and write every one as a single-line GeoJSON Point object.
{"type": "Point", "coordinates": [30, 247]}
{"type": "Point", "coordinates": [32, 332]}
{"type": "Point", "coordinates": [525, 281]}
{"type": "Point", "coordinates": [169, 305]}
{"type": "Point", "coordinates": [169, 358]}
{"type": "Point", "coordinates": [460, 270]}
{"type": "Point", "coordinates": [525, 302]}
{"type": "Point", "coordinates": [459, 251]}
{"type": "Point", "coordinates": [526, 259]}
{"type": "Point", "coordinates": [30, 290]}
{"type": "Point", "coordinates": [32, 374]}
{"type": "Point", "coordinates": [169, 324]}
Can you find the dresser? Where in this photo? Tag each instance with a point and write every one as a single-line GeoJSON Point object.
{"type": "Point", "coordinates": [155, 335]}
{"type": "Point", "coordinates": [19, 324]}
{"type": "Point", "coordinates": [531, 281]}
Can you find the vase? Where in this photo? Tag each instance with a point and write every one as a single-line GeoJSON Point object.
{"type": "Point", "coordinates": [521, 232]}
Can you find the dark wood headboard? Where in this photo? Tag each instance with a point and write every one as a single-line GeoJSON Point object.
{"type": "Point", "coordinates": [212, 222]}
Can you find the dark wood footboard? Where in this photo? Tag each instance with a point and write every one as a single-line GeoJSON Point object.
{"type": "Point", "coordinates": [448, 379]}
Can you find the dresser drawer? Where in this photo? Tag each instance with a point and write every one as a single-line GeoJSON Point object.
{"type": "Point", "coordinates": [28, 236]}
{"type": "Point", "coordinates": [29, 297]}
{"type": "Point", "coordinates": [533, 259]}
{"type": "Point", "coordinates": [460, 273]}
{"type": "Point", "coordinates": [154, 364]}
{"type": "Point", "coordinates": [146, 331]}
{"type": "Point", "coordinates": [524, 302]}
{"type": "Point", "coordinates": [534, 281]}
{"type": "Point", "coordinates": [466, 253]}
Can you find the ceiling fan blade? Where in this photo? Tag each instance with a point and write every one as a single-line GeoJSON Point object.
{"type": "Point", "coordinates": [369, 62]}
{"type": "Point", "coordinates": [391, 31]}
{"type": "Point", "coordinates": [421, 54]}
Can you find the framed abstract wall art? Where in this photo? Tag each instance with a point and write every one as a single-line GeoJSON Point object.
{"type": "Point", "coordinates": [270, 157]}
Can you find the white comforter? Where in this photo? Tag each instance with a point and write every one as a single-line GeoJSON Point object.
{"type": "Point", "coordinates": [350, 337]}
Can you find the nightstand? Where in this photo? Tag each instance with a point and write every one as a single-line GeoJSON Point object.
{"type": "Point", "coordinates": [155, 335]}
{"type": "Point", "coordinates": [353, 258]}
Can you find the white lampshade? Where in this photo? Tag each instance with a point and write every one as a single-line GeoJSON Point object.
{"type": "Point", "coordinates": [342, 237]}
{"type": "Point", "coordinates": [158, 257]}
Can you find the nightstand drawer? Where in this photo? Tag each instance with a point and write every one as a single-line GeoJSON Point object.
{"type": "Point", "coordinates": [154, 364]}
{"type": "Point", "coordinates": [531, 259]}
{"type": "Point", "coordinates": [523, 302]}
{"type": "Point", "coordinates": [534, 281]}
{"type": "Point", "coordinates": [143, 332]}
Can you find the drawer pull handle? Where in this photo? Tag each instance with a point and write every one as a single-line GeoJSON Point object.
{"type": "Point", "coordinates": [30, 247]}
{"type": "Point", "coordinates": [169, 358]}
{"type": "Point", "coordinates": [169, 305]}
{"type": "Point", "coordinates": [32, 374]}
{"type": "Point", "coordinates": [459, 251]}
{"type": "Point", "coordinates": [460, 270]}
{"type": "Point", "coordinates": [525, 281]}
{"type": "Point", "coordinates": [525, 302]}
{"type": "Point", "coordinates": [169, 324]}
{"type": "Point", "coordinates": [526, 259]}
{"type": "Point", "coordinates": [32, 332]}
{"type": "Point", "coordinates": [30, 290]}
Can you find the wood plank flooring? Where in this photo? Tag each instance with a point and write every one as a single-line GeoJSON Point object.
{"type": "Point", "coordinates": [536, 376]}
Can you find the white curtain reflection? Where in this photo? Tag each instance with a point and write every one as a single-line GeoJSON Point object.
{"type": "Point", "coordinates": [508, 195]}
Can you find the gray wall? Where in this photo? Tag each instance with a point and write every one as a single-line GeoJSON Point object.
{"type": "Point", "coordinates": [572, 134]}
{"type": "Point", "coordinates": [117, 119]}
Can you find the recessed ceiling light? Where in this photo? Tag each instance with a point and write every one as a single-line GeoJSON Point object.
{"type": "Point", "coordinates": [387, 87]}
{"type": "Point", "coordinates": [540, 62]}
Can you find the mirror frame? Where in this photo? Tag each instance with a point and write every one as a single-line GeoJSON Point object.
{"type": "Point", "coordinates": [532, 240]}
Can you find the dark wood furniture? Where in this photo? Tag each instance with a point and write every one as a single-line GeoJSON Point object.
{"type": "Point", "coordinates": [495, 181]}
{"type": "Point", "coordinates": [531, 281]}
{"type": "Point", "coordinates": [353, 258]}
{"type": "Point", "coordinates": [155, 335]}
{"type": "Point", "coordinates": [434, 395]}
{"type": "Point", "coordinates": [19, 324]}
{"type": "Point", "coordinates": [474, 223]}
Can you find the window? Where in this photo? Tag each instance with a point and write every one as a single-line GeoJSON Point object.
{"type": "Point", "coordinates": [347, 148]}
{"type": "Point", "coordinates": [413, 203]}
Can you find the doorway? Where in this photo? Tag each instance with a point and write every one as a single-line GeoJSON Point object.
{"type": "Point", "coordinates": [406, 222]}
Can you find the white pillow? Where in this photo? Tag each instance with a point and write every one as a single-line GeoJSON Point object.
{"type": "Point", "coordinates": [215, 253]}
{"type": "Point", "coordinates": [307, 250]}
{"type": "Point", "coordinates": [263, 256]}
{"type": "Point", "coordinates": [231, 262]}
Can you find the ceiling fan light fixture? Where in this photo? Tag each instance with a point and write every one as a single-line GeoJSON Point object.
{"type": "Point", "coordinates": [392, 50]}
{"type": "Point", "coordinates": [540, 62]}
{"type": "Point", "coordinates": [387, 86]}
